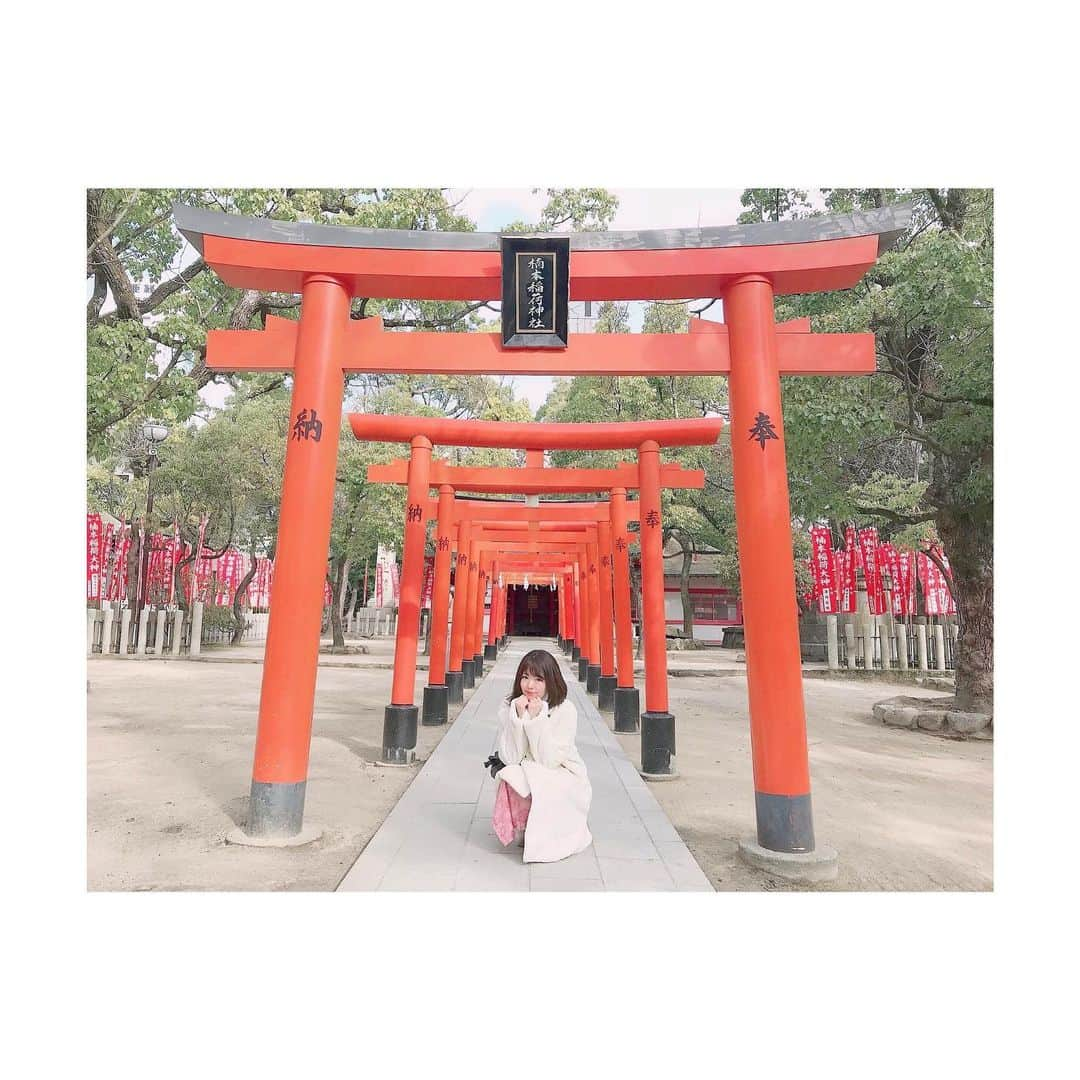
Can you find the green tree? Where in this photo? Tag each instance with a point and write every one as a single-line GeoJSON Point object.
{"type": "Point", "coordinates": [773, 204]}
{"type": "Point", "coordinates": [911, 447]}
{"type": "Point", "coordinates": [582, 209]}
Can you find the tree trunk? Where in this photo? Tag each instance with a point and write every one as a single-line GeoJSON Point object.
{"type": "Point", "coordinates": [337, 578]}
{"type": "Point", "coordinates": [178, 579]}
{"type": "Point", "coordinates": [971, 557]}
{"type": "Point", "coordinates": [238, 599]}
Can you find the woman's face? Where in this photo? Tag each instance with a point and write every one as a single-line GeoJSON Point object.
{"type": "Point", "coordinates": [532, 686]}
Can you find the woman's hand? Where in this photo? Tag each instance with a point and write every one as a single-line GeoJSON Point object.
{"type": "Point", "coordinates": [520, 707]}
{"type": "Point", "coordinates": [533, 705]}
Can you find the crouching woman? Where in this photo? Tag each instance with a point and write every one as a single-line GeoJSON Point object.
{"type": "Point", "coordinates": [544, 787]}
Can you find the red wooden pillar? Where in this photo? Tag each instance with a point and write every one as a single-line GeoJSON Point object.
{"type": "Point", "coordinates": [626, 700]}
{"type": "Point", "coordinates": [767, 572]}
{"type": "Point", "coordinates": [468, 658]}
{"type": "Point", "coordinates": [579, 616]}
{"type": "Point", "coordinates": [483, 570]}
{"type": "Point", "coordinates": [287, 699]}
{"type": "Point", "coordinates": [561, 611]}
{"type": "Point", "coordinates": [503, 633]}
{"type": "Point", "coordinates": [399, 721]}
{"type": "Point", "coordinates": [586, 616]}
{"type": "Point", "coordinates": [436, 694]}
{"type": "Point", "coordinates": [571, 615]}
{"type": "Point", "coordinates": [455, 675]}
{"type": "Point", "coordinates": [605, 694]}
{"type": "Point", "coordinates": [657, 724]}
{"type": "Point", "coordinates": [592, 675]}
{"type": "Point", "coordinates": [491, 649]}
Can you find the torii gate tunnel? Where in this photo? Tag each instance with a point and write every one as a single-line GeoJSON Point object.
{"type": "Point", "coordinates": [594, 552]}
{"type": "Point", "coordinates": [746, 266]}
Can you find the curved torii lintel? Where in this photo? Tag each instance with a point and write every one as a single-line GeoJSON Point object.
{"type": "Point", "coordinates": [808, 255]}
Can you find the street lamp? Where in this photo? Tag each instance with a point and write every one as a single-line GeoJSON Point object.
{"type": "Point", "coordinates": [154, 432]}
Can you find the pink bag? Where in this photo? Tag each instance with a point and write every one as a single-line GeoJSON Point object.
{"type": "Point", "coordinates": [511, 812]}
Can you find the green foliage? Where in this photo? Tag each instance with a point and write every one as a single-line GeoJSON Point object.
{"type": "Point", "coordinates": [773, 204]}
{"type": "Point", "coordinates": [579, 209]}
{"type": "Point", "coordinates": [221, 617]}
{"type": "Point", "coordinates": [926, 416]}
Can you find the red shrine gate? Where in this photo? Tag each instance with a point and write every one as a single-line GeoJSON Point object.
{"type": "Point", "coordinates": [744, 265]}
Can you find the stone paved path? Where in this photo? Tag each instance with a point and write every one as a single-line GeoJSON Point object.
{"type": "Point", "coordinates": [439, 835]}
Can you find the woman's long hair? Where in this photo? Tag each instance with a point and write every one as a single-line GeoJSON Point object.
{"type": "Point", "coordinates": [541, 665]}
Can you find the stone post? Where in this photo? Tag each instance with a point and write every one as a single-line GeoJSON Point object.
{"type": "Point", "coordinates": [849, 640]}
{"type": "Point", "coordinates": [833, 642]}
{"type": "Point", "coordinates": [144, 630]}
{"type": "Point", "coordinates": [106, 630]}
{"type": "Point", "coordinates": [91, 620]}
{"type": "Point", "coordinates": [195, 649]}
{"type": "Point", "coordinates": [177, 631]}
{"type": "Point", "coordinates": [901, 643]}
{"type": "Point", "coordinates": [125, 630]}
{"type": "Point", "coordinates": [920, 638]}
{"type": "Point", "coordinates": [939, 646]}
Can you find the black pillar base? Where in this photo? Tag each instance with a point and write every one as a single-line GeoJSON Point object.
{"type": "Point", "coordinates": [478, 665]}
{"type": "Point", "coordinates": [627, 708]}
{"type": "Point", "coordinates": [468, 674]}
{"type": "Point", "coordinates": [784, 822]}
{"type": "Point", "coordinates": [605, 700]}
{"type": "Point", "coordinates": [399, 734]}
{"type": "Point", "coordinates": [491, 652]}
{"type": "Point", "coordinates": [276, 809]}
{"type": "Point", "coordinates": [575, 653]}
{"type": "Point", "coordinates": [436, 701]}
{"type": "Point", "coordinates": [592, 678]}
{"type": "Point", "coordinates": [582, 668]}
{"type": "Point", "coordinates": [657, 742]}
{"type": "Point", "coordinates": [455, 687]}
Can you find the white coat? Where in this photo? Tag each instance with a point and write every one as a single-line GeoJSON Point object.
{"type": "Point", "coordinates": [542, 760]}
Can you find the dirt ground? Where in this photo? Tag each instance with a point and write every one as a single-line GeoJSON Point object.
{"type": "Point", "coordinates": [905, 810]}
{"type": "Point", "coordinates": [170, 744]}
{"type": "Point", "coordinates": [169, 753]}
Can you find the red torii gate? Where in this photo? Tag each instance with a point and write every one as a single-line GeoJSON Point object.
{"type": "Point", "coordinates": [657, 723]}
{"type": "Point", "coordinates": [744, 265]}
{"type": "Point", "coordinates": [447, 685]}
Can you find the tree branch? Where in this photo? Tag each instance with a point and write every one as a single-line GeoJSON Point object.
{"type": "Point", "coordinates": [174, 284]}
{"type": "Point", "coordinates": [895, 518]}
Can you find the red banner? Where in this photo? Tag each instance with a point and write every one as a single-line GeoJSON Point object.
{"type": "Point", "coordinates": [868, 550]}
{"type": "Point", "coordinates": [821, 564]}
{"type": "Point", "coordinates": [928, 580]}
{"type": "Point", "coordinates": [93, 557]}
{"type": "Point", "coordinates": [848, 597]}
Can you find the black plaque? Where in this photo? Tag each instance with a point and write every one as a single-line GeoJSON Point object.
{"type": "Point", "coordinates": [535, 291]}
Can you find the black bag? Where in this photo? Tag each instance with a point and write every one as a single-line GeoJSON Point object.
{"type": "Point", "coordinates": [494, 763]}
